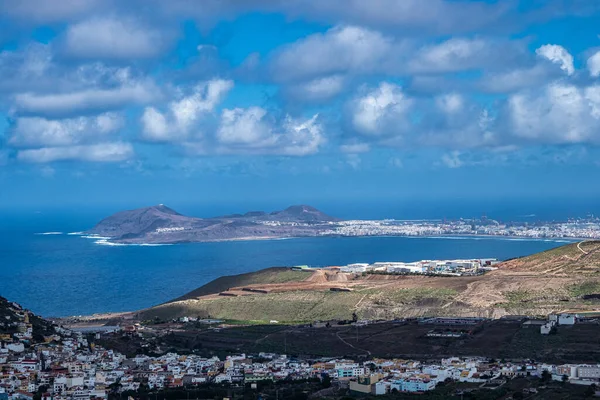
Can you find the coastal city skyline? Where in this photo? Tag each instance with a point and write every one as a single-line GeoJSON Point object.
{"type": "Point", "coordinates": [118, 103]}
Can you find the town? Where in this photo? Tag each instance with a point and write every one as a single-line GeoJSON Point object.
{"type": "Point", "coordinates": [433, 267]}
{"type": "Point", "coordinates": [588, 228]}
{"type": "Point", "coordinates": [68, 364]}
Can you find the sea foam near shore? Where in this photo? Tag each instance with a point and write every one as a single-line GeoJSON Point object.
{"type": "Point", "coordinates": [105, 242]}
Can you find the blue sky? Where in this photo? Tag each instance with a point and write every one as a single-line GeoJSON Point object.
{"type": "Point", "coordinates": [129, 103]}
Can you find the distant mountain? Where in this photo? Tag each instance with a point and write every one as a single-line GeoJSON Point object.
{"type": "Point", "coordinates": [137, 222]}
{"type": "Point", "coordinates": [301, 213]}
{"type": "Point", "coordinates": [161, 224]}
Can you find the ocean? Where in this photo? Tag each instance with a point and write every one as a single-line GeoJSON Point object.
{"type": "Point", "coordinates": [61, 275]}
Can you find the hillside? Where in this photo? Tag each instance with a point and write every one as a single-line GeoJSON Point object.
{"type": "Point", "coordinates": [268, 275]}
{"type": "Point", "coordinates": [14, 319]}
{"type": "Point", "coordinates": [139, 221]}
{"type": "Point", "coordinates": [161, 224]}
{"type": "Point", "coordinates": [555, 280]}
{"type": "Point", "coordinates": [581, 258]}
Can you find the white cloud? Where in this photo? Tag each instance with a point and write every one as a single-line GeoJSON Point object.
{"type": "Point", "coordinates": [438, 16]}
{"type": "Point", "coordinates": [517, 79]}
{"type": "Point", "coordinates": [558, 55]}
{"type": "Point", "coordinates": [245, 127]}
{"type": "Point", "coordinates": [155, 125]}
{"type": "Point", "coordinates": [204, 99]}
{"type": "Point", "coordinates": [560, 113]}
{"type": "Point", "coordinates": [249, 130]}
{"type": "Point", "coordinates": [354, 161]}
{"type": "Point", "coordinates": [386, 116]}
{"type": "Point", "coordinates": [253, 131]}
{"type": "Point", "coordinates": [355, 147]}
{"type": "Point", "coordinates": [593, 65]}
{"type": "Point", "coordinates": [450, 103]}
{"type": "Point", "coordinates": [319, 89]}
{"type": "Point", "coordinates": [452, 160]}
{"type": "Point", "coordinates": [112, 38]}
{"type": "Point", "coordinates": [35, 84]}
{"type": "Point", "coordinates": [102, 152]}
{"type": "Point", "coordinates": [109, 122]}
{"type": "Point", "coordinates": [352, 50]}
{"type": "Point", "coordinates": [50, 11]}
{"type": "Point", "coordinates": [27, 67]}
{"type": "Point", "coordinates": [430, 15]}
{"type": "Point", "coordinates": [453, 54]}
{"type": "Point", "coordinates": [183, 114]}
{"type": "Point", "coordinates": [396, 162]}
{"type": "Point", "coordinates": [41, 132]}
{"type": "Point", "coordinates": [62, 104]}
{"type": "Point", "coordinates": [340, 49]}
{"type": "Point", "coordinates": [455, 122]}
{"type": "Point", "coordinates": [381, 110]}
{"type": "Point", "coordinates": [462, 54]}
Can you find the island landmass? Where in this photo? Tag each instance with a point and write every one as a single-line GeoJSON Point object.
{"type": "Point", "coordinates": [163, 225]}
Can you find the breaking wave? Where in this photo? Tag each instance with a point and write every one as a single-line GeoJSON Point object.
{"type": "Point", "coordinates": [105, 242]}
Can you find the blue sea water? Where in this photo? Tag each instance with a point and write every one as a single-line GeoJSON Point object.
{"type": "Point", "coordinates": [60, 275]}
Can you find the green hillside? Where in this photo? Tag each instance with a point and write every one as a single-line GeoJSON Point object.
{"type": "Point", "coordinates": [268, 275]}
{"type": "Point", "coordinates": [565, 278]}
{"type": "Point", "coordinates": [311, 305]}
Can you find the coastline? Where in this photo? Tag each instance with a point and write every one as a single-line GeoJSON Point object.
{"type": "Point", "coordinates": [109, 242]}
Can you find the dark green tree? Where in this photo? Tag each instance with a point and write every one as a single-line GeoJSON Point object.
{"type": "Point", "coordinates": [546, 376]}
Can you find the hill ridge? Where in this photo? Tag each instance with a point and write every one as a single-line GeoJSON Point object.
{"type": "Point", "coordinates": [535, 285]}
{"type": "Point", "coordinates": [161, 224]}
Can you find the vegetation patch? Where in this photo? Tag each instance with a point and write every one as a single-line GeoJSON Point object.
{"type": "Point", "coordinates": [264, 276]}
{"type": "Point", "coordinates": [408, 296]}
{"type": "Point", "coordinates": [292, 306]}
{"type": "Point", "coordinates": [585, 288]}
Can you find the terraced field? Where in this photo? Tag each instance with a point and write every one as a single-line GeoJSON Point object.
{"type": "Point", "coordinates": [567, 277]}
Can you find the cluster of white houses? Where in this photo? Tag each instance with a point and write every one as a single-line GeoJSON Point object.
{"type": "Point", "coordinates": [445, 267]}
{"type": "Point", "coordinates": [65, 366]}
{"type": "Point", "coordinates": [565, 318]}
{"type": "Point", "coordinates": [68, 367]}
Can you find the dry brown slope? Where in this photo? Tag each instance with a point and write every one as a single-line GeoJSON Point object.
{"type": "Point", "coordinates": [264, 276]}
{"type": "Point", "coordinates": [535, 285]}
{"type": "Point", "coordinates": [581, 258]}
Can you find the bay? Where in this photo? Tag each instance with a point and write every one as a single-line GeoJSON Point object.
{"type": "Point", "coordinates": [60, 275]}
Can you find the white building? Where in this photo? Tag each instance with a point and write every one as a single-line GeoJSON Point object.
{"type": "Point", "coordinates": [547, 327]}
{"type": "Point", "coordinates": [355, 268]}
{"type": "Point", "coordinates": [588, 371]}
{"type": "Point", "coordinates": [566, 319]}
{"type": "Point", "coordinates": [16, 347]}
{"type": "Point", "coordinates": [412, 385]}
